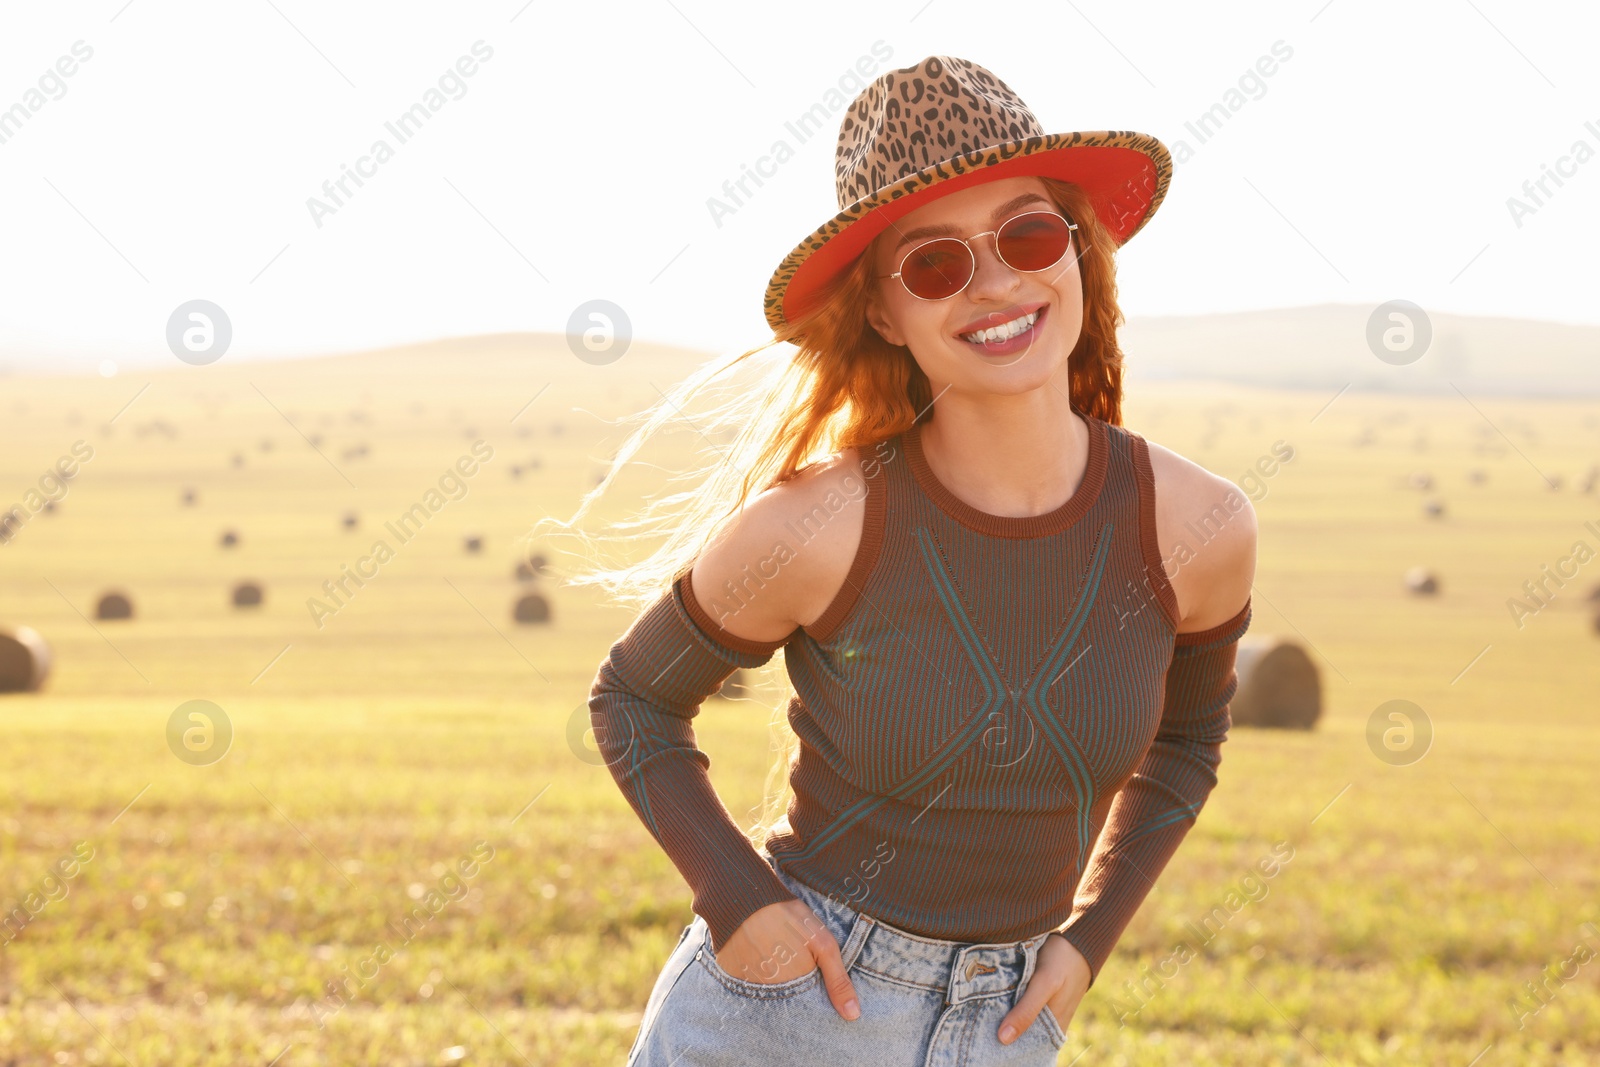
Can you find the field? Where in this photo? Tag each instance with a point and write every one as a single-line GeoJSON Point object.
{"type": "Point", "coordinates": [389, 743]}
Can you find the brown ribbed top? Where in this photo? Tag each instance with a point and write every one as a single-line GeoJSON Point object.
{"type": "Point", "coordinates": [997, 717]}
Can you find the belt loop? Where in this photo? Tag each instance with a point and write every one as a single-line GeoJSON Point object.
{"type": "Point", "coordinates": [857, 940]}
{"type": "Point", "coordinates": [1030, 952]}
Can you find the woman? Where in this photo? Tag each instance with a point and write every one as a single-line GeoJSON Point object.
{"type": "Point", "coordinates": [1011, 674]}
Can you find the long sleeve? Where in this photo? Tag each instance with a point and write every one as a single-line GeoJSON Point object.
{"type": "Point", "coordinates": [1153, 812]}
{"type": "Point", "coordinates": [640, 705]}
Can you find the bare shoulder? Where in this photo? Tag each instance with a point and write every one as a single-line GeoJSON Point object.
{"type": "Point", "coordinates": [1206, 527]}
{"type": "Point", "coordinates": [780, 562]}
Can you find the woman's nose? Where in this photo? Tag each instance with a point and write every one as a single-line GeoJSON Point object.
{"type": "Point", "coordinates": [991, 274]}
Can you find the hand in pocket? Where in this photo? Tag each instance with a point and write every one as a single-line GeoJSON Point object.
{"type": "Point", "coordinates": [784, 941]}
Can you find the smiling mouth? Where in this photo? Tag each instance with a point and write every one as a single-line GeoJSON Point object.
{"type": "Point", "coordinates": [1007, 337]}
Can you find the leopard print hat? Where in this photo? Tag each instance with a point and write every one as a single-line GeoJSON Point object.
{"type": "Point", "coordinates": [920, 132]}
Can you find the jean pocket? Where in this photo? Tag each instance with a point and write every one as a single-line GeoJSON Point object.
{"type": "Point", "coordinates": [1052, 1026]}
{"type": "Point", "coordinates": [754, 990]}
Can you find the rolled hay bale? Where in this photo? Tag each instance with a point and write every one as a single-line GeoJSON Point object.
{"type": "Point", "coordinates": [24, 660]}
{"type": "Point", "coordinates": [1477, 476]}
{"type": "Point", "coordinates": [350, 520]}
{"type": "Point", "coordinates": [49, 507]}
{"type": "Point", "coordinates": [1433, 508]}
{"type": "Point", "coordinates": [114, 605]}
{"type": "Point", "coordinates": [229, 538]}
{"type": "Point", "coordinates": [529, 569]}
{"type": "Point", "coordinates": [247, 595]}
{"type": "Point", "coordinates": [1420, 581]}
{"type": "Point", "coordinates": [736, 686]}
{"type": "Point", "coordinates": [189, 498]}
{"type": "Point", "coordinates": [516, 470]}
{"type": "Point", "coordinates": [472, 543]}
{"type": "Point", "coordinates": [531, 608]}
{"type": "Point", "coordinates": [1279, 686]}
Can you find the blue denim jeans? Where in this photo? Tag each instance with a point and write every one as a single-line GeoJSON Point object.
{"type": "Point", "coordinates": [924, 1003]}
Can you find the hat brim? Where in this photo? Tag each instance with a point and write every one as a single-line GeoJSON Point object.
{"type": "Point", "coordinates": [1125, 173]}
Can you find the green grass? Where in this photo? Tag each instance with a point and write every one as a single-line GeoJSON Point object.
{"type": "Point", "coordinates": [376, 752]}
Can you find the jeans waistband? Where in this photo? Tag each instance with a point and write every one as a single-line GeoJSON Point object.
{"type": "Point", "coordinates": [961, 970]}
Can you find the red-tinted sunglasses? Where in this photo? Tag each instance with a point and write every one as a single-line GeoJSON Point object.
{"type": "Point", "coordinates": [939, 269]}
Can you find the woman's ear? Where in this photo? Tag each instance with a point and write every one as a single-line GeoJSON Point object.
{"type": "Point", "coordinates": [880, 321]}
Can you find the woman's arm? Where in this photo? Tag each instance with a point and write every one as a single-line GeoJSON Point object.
{"type": "Point", "coordinates": [728, 611]}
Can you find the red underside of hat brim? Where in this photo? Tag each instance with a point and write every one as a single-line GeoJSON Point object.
{"type": "Point", "coordinates": [1120, 182]}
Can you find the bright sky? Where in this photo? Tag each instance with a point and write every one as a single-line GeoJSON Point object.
{"type": "Point", "coordinates": [575, 162]}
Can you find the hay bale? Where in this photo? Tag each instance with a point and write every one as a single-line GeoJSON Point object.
{"type": "Point", "coordinates": [1433, 508]}
{"type": "Point", "coordinates": [24, 660]}
{"type": "Point", "coordinates": [737, 686]}
{"type": "Point", "coordinates": [247, 595]}
{"type": "Point", "coordinates": [524, 571]}
{"type": "Point", "coordinates": [1420, 581]}
{"type": "Point", "coordinates": [472, 543]}
{"type": "Point", "coordinates": [114, 605]}
{"type": "Point", "coordinates": [189, 498]}
{"type": "Point", "coordinates": [1279, 686]}
{"type": "Point", "coordinates": [516, 470]}
{"type": "Point", "coordinates": [1477, 476]}
{"type": "Point", "coordinates": [531, 607]}
{"type": "Point", "coordinates": [228, 539]}
{"type": "Point", "coordinates": [351, 520]}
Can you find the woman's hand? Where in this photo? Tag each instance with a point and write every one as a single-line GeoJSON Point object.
{"type": "Point", "coordinates": [786, 940]}
{"type": "Point", "coordinates": [1060, 979]}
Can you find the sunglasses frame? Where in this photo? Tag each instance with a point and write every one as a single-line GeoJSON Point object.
{"type": "Point", "coordinates": [973, 256]}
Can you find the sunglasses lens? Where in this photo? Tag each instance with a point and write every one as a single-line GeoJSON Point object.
{"type": "Point", "coordinates": [1034, 241]}
{"type": "Point", "coordinates": [937, 269]}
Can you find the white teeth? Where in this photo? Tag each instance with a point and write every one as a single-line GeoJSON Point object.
{"type": "Point", "coordinates": [1002, 332]}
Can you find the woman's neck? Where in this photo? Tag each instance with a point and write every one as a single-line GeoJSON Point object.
{"type": "Point", "coordinates": [1012, 464]}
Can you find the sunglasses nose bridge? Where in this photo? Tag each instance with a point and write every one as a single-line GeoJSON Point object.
{"type": "Point", "coordinates": [991, 247]}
